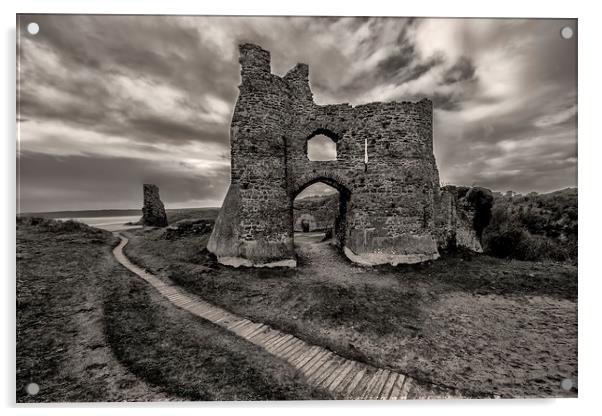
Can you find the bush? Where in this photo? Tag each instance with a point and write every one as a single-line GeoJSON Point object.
{"type": "Point", "coordinates": [514, 242]}
{"type": "Point", "coordinates": [502, 242]}
{"type": "Point", "coordinates": [533, 227]}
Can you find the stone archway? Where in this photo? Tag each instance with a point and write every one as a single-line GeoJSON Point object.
{"type": "Point", "coordinates": [344, 198]}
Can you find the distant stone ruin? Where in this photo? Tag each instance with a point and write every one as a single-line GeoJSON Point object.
{"type": "Point", "coordinates": [153, 211]}
{"type": "Point", "coordinates": [389, 195]}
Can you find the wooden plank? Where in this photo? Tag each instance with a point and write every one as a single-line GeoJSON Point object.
{"type": "Point", "coordinates": [341, 375]}
{"type": "Point", "coordinates": [313, 361]}
{"type": "Point", "coordinates": [243, 327]}
{"type": "Point", "coordinates": [199, 310]}
{"type": "Point", "coordinates": [268, 338]}
{"type": "Point", "coordinates": [279, 338]}
{"type": "Point", "coordinates": [187, 302]}
{"type": "Point", "coordinates": [405, 389]}
{"type": "Point", "coordinates": [306, 357]}
{"type": "Point", "coordinates": [278, 342]}
{"type": "Point", "coordinates": [293, 357]}
{"type": "Point", "coordinates": [388, 386]}
{"type": "Point", "coordinates": [212, 314]}
{"type": "Point", "coordinates": [325, 370]}
{"type": "Point", "coordinates": [311, 370]}
{"type": "Point", "coordinates": [282, 345]}
{"type": "Point", "coordinates": [213, 317]}
{"type": "Point", "coordinates": [395, 391]}
{"type": "Point", "coordinates": [340, 366]}
{"type": "Point", "coordinates": [296, 350]}
{"type": "Point", "coordinates": [369, 385]}
{"type": "Point", "coordinates": [261, 335]}
{"type": "Point", "coordinates": [341, 385]}
{"type": "Point", "coordinates": [378, 386]}
{"type": "Point", "coordinates": [227, 317]}
{"type": "Point", "coordinates": [236, 324]}
{"type": "Point", "coordinates": [353, 384]}
{"type": "Point", "coordinates": [251, 334]}
{"type": "Point", "coordinates": [285, 351]}
{"type": "Point", "coordinates": [250, 329]}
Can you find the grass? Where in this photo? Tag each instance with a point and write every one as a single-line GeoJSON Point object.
{"type": "Point", "coordinates": [177, 214]}
{"type": "Point", "coordinates": [477, 323]}
{"type": "Point", "coordinates": [60, 342]}
{"type": "Point", "coordinates": [88, 330]}
{"type": "Point", "coordinates": [191, 357]}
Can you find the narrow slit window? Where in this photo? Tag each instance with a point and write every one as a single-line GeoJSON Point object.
{"type": "Point", "coordinates": [366, 151]}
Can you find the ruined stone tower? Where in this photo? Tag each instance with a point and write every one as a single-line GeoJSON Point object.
{"type": "Point", "coordinates": [387, 204]}
{"type": "Point", "coordinates": [153, 211]}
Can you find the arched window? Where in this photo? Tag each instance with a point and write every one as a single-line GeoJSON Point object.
{"type": "Point", "coordinates": [321, 148]}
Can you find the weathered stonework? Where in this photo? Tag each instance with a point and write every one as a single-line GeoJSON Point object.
{"type": "Point", "coordinates": [387, 206]}
{"type": "Point", "coordinates": [153, 211]}
{"type": "Point", "coordinates": [462, 214]}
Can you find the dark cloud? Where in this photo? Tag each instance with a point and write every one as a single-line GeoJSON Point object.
{"type": "Point", "coordinates": [107, 102]}
{"type": "Point", "coordinates": [462, 70]}
{"type": "Point", "coordinates": [167, 130]}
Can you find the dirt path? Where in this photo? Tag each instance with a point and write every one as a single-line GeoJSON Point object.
{"type": "Point", "coordinates": [343, 378]}
{"type": "Point", "coordinates": [322, 259]}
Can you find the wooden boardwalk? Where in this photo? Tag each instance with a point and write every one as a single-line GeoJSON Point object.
{"type": "Point", "coordinates": [343, 378]}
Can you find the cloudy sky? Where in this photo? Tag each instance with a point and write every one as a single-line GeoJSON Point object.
{"type": "Point", "coordinates": [106, 103]}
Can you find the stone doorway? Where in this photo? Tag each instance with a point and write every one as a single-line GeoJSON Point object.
{"type": "Point", "coordinates": [305, 225]}
{"type": "Point", "coordinates": [319, 214]}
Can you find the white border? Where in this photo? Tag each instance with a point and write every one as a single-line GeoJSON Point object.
{"type": "Point", "coordinates": [590, 151]}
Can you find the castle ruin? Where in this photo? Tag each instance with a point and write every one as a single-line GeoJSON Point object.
{"type": "Point", "coordinates": [389, 195]}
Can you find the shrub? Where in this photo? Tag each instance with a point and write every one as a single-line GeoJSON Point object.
{"type": "Point", "coordinates": [512, 241]}
{"type": "Point", "coordinates": [502, 242]}
{"type": "Point", "coordinates": [533, 227]}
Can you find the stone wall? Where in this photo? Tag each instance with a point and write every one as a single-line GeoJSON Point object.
{"type": "Point", "coordinates": [462, 214]}
{"type": "Point", "coordinates": [387, 205]}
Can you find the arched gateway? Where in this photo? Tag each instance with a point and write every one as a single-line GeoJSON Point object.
{"type": "Point", "coordinates": [385, 172]}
